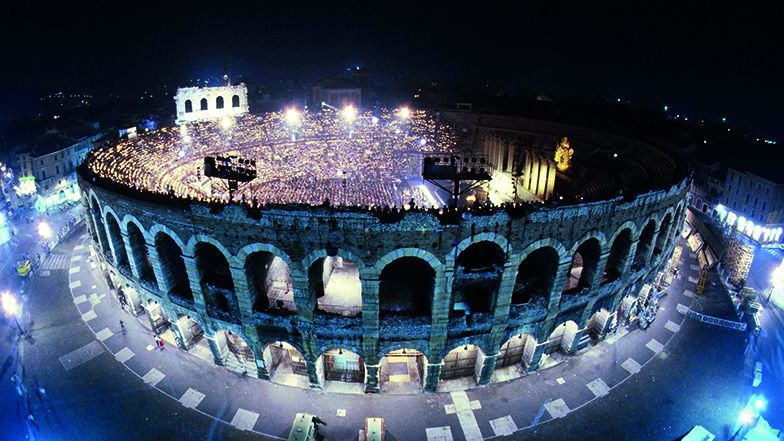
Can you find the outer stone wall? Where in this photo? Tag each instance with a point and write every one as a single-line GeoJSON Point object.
{"type": "Point", "coordinates": [300, 236]}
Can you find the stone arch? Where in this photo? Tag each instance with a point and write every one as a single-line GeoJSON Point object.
{"type": "Point", "coordinates": [386, 346]}
{"type": "Point", "coordinates": [203, 104]}
{"type": "Point", "coordinates": [430, 258]}
{"type": "Point", "coordinates": [236, 351]}
{"type": "Point", "coordinates": [160, 228]}
{"type": "Point", "coordinates": [586, 255]}
{"type": "Point", "coordinates": [536, 271]}
{"type": "Point", "coordinates": [173, 273]}
{"type": "Point", "coordinates": [115, 237]}
{"type": "Point", "coordinates": [268, 273]}
{"type": "Point", "coordinates": [464, 360]}
{"type": "Point", "coordinates": [498, 239]}
{"type": "Point", "coordinates": [407, 287]}
{"type": "Point", "coordinates": [334, 284]}
{"type": "Point", "coordinates": [620, 252]}
{"type": "Point", "coordinates": [402, 369]}
{"type": "Point", "coordinates": [219, 102]}
{"type": "Point", "coordinates": [188, 106]}
{"type": "Point", "coordinates": [662, 239]}
{"type": "Point", "coordinates": [342, 364]}
{"type": "Point", "coordinates": [517, 351]}
{"type": "Point", "coordinates": [285, 363]}
{"type": "Point", "coordinates": [216, 280]}
{"type": "Point", "coordinates": [645, 243]}
{"type": "Point", "coordinates": [562, 337]}
{"type": "Point", "coordinates": [195, 240]}
{"type": "Point", "coordinates": [98, 223]}
{"type": "Point", "coordinates": [478, 269]}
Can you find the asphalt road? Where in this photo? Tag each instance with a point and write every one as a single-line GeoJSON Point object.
{"type": "Point", "coordinates": [699, 375]}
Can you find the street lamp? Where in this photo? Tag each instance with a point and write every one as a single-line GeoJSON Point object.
{"type": "Point", "coordinates": [11, 308]}
{"type": "Point", "coordinates": [44, 230]}
{"type": "Point", "coordinates": [776, 279]}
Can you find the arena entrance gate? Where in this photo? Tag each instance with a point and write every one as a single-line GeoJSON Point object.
{"type": "Point", "coordinates": [286, 365]}
{"type": "Point", "coordinates": [402, 371]}
{"type": "Point", "coordinates": [345, 366]}
{"type": "Point", "coordinates": [158, 321]}
{"type": "Point", "coordinates": [464, 361]}
{"type": "Point", "coordinates": [237, 355]}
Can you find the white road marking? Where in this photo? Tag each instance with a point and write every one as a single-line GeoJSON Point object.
{"type": "Point", "coordinates": [689, 294]}
{"type": "Point", "coordinates": [74, 270]}
{"type": "Point", "coordinates": [439, 433]}
{"type": "Point", "coordinates": [682, 309]}
{"type": "Point", "coordinates": [503, 426]}
{"type": "Point", "coordinates": [598, 387]}
{"type": "Point", "coordinates": [557, 408]}
{"type": "Point", "coordinates": [694, 267]}
{"type": "Point", "coordinates": [78, 247]}
{"type": "Point", "coordinates": [560, 380]}
{"type": "Point", "coordinates": [76, 258]}
{"type": "Point", "coordinates": [191, 398]}
{"type": "Point", "coordinates": [96, 299]}
{"type": "Point", "coordinates": [693, 279]}
{"type": "Point", "coordinates": [103, 334]}
{"type": "Point", "coordinates": [153, 377]}
{"type": "Point", "coordinates": [244, 419]}
{"type": "Point", "coordinates": [672, 326]}
{"type": "Point", "coordinates": [149, 347]}
{"type": "Point", "coordinates": [464, 408]}
{"type": "Point", "coordinates": [81, 355]}
{"type": "Point", "coordinates": [631, 366]}
{"type": "Point", "coordinates": [654, 346]}
{"type": "Point", "coordinates": [80, 299]}
{"type": "Point", "coordinates": [89, 315]}
{"type": "Point", "coordinates": [341, 412]}
{"type": "Point", "coordinates": [75, 284]}
{"type": "Point", "coordinates": [124, 355]}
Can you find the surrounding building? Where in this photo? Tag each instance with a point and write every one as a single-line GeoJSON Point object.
{"type": "Point", "coordinates": [337, 92]}
{"type": "Point", "coordinates": [52, 163]}
{"type": "Point", "coordinates": [201, 103]}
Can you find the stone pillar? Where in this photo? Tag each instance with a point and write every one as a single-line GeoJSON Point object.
{"type": "Point", "coordinates": [135, 257]}
{"type": "Point", "coordinates": [371, 378]}
{"type": "Point", "coordinates": [98, 232]}
{"type": "Point", "coordinates": [241, 290]}
{"type": "Point", "coordinates": [649, 252]}
{"type": "Point", "coordinates": [217, 356]}
{"type": "Point", "coordinates": [163, 279]}
{"type": "Point", "coordinates": [113, 245]}
{"type": "Point", "coordinates": [313, 374]}
{"type": "Point", "coordinates": [558, 286]}
{"type": "Point", "coordinates": [601, 267]}
{"type": "Point", "coordinates": [504, 297]}
{"type": "Point", "coordinates": [175, 327]}
{"type": "Point", "coordinates": [261, 365]}
{"type": "Point", "coordinates": [629, 258]}
{"type": "Point", "coordinates": [441, 306]}
{"type": "Point", "coordinates": [433, 375]}
{"type": "Point", "coordinates": [194, 280]}
{"type": "Point", "coordinates": [488, 368]}
{"type": "Point", "coordinates": [302, 296]}
{"type": "Point", "coordinates": [541, 340]}
{"type": "Point", "coordinates": [370, 319]}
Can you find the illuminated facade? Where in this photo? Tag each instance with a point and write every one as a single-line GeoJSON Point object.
{"type": "Point", "coordinates": [201, 103]}
{"type": "Point", "coordinates": [315, 296]}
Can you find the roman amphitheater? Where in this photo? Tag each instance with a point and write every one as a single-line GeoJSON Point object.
{"type": "Point", "coordinates": [339, 268]}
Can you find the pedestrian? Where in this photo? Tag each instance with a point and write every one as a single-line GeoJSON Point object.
{"type": "Point", "coordinates": [32, 421]}
{"type": "Point", "coordinates": [159, 342]}
{"type": "Point", "coordinates": [41, 392]}
{"type": "Point", "coordinates": [122, 327]}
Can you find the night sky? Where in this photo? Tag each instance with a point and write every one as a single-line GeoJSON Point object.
{"type": "Point", "coordinates": [698, 60]}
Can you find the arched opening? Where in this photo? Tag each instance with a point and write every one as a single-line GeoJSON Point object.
{"type": "Point", "coordinates": [461, 368]}
{"type": "Point", "coordinates": [216, 281]}
{"type": "Point", "coordinates": [335, 283]}
{"type": "Point", "coordinates": [191, 333]}
{"type": "Point", "coordinates": [662, 240]}
{"type": "Point", "coordinates": [235, 101]}
{"type": "Point", "coordinates": [477, 277]}
{"type": "Point", "coordinates": [188, 106]}
{"type": "Point", "coordinates": [599, 323]}
{"type": "Point", "coordinates": [159, 323]}
{"type": "Point", "coordinates": [100, 229]}
{"type": "Point", "coordinates": [286, 365]}
{"type": "Point", "coordinates": [203, 104]}
{"type": "Point", "coordinates": [644, 245]}
{"type": "Point", "coordinates": [140, 254]}
{"type": "Point", "coordinates": [219, 102]}
{"type": "Point", "coordinates": [236, 354]}
{"type": "Point", "coordinates": [406, 287]}
{"type": "Point", "coordinates": [402, 371]}
{"type": "Point", "coordinates": [269, 282]}
{"type": "Point", "coordinates": [514, 357]}
{"type": "Point", "coordinates": [619, 253]}
{"type": "Point", "coordinates": [175, 277]}
{"type": "Point", "coordinates": [561, 341]}
{"type": "Point", "coordinates": [584, 265]}
{"type": "Point", "coordinates": [341, 366]}
{"type": "Point", "coordinates": [115, 236]}
{"type": "Point", "coordinates": [535, 276]}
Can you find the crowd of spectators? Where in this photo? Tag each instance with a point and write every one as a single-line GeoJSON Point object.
{"type": "Point", "coordinates": [306, 158]}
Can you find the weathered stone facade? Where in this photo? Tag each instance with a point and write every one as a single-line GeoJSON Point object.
{"type": "Point", "coordinates": [301, 237]}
